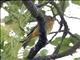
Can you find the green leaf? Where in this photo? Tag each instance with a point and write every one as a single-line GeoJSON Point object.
{"type": "Point", "coordinates": [55, 42]}
{"type": "Point", "coordinates": [15, 2]}
{"type": "Point", "coordinates": [63, 4]}
{"type": "Point", "coordinates": [66, 42]}
{"type": "Point", "coordinates": [32, 42]}
{"type": "Point", "coordinates": [76, 2]}
{"type": "Point", "coordinates": [76, 58]}
{"type": "Point", "coordinates": [8, 20]}
{"type": "Point", "coordinates": [4, 34]}
{"type": "Point", "coordinates": [26, 52]}
{"type": "Point", "coordinates": [11, 49]}
{"type": "Point", "coordinates": [43, 52]}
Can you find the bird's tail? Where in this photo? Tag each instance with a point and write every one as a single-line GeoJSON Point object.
{"type": "Point", "coordinates": [25, 41]}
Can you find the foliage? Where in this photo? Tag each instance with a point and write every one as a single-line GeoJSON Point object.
{"type": "Point", "coordinates": [76, 2]}
{"type": "Point", "coordinates": [43, 52]}
{"type": "Point", "coordinates": [8, 48]}
{"type": "Point", "coordinates": [66, 43]}
{"type": "Point", "coordinates": [13, 22]}
{"type": "Point", "coordinates": [77, 59]}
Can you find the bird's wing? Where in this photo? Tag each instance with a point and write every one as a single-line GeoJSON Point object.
{"type": "Point", "coordinates": [32, 30]}
{"type": "Point", "coordinates": [28, 35]}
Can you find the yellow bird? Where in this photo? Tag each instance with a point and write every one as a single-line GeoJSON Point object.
{"type": "Point", "coordinates": [49, 21]}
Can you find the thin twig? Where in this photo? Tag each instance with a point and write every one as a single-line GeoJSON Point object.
{"type": "Point", "coordinates": [73, 35]}
{"type": "Point", "coordinates": [72, 17]}
{"type": "Point", "coordinates": [64, 23]}
{"type": "Point", "coordinates": [56, 31]}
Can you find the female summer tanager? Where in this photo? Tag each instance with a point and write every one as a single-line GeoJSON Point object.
{"type": "Point", "coordinates": [49, 21]}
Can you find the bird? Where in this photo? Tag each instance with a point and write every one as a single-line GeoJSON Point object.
{"type": "Point", "coordinates": [49, 21]}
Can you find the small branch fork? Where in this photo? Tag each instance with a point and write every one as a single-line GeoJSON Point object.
{"type": "Point", "coordinates": [42, 37]}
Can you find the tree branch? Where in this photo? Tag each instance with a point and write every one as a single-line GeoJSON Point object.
{"type": "Point", "coordinates": [72, 17]}
{"type": "Point", "coordinates": [57, 31]}
{"type": "Point", "coordinates": [64, 23]}
{"type": "Point", "coordinates": [42, 41]}
{"type": "Point", "coordinates": [70, 51]}
{"type": "Point", "coordinates": [42, 37]}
